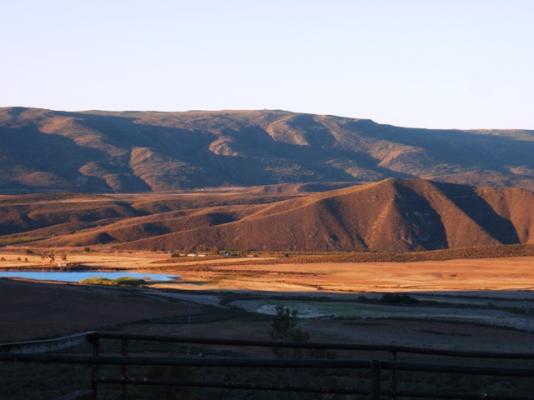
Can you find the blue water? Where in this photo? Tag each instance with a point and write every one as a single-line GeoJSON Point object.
{"type": "Point", "coordinates": [76, 276]}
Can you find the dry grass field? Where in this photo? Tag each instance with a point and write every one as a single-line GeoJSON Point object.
{"type": "Point", "coordinates": [452, 275]}
{"type": "Point", "coordinates": [246, 285]}
{"type": "Point", "coordinates": [277, 273]}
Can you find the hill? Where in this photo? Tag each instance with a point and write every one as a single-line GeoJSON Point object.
{"type": "Point", "coordinates": [95, 151]}
{"type": "Point", "coordinates": [391, 215]}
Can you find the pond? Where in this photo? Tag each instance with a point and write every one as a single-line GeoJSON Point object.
{"type": "Point", "coordinates": [77, 276]}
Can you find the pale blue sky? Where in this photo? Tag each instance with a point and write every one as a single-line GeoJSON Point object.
{"type": "Point", "coordinates": [427, 63]}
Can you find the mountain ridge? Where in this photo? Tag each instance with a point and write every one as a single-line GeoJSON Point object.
{"type": "Point", "coordinates": [140, 151]}
{"type": "Point", "coordinates": [390, 215]}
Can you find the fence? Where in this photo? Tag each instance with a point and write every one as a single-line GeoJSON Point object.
{"type": "Point", "coordinates": [36, 352]}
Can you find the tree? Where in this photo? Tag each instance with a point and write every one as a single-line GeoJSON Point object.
{"type": "Point", "coordinates": [284, 327]}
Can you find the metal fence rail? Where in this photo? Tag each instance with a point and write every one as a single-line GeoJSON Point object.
{"type": "Point", "coordinates": [47, 345]}
{"type": "Point", "coordinates": [376, 368]}
{"type": "Point", "coordinates": [267, 363]}
{"type": "Point", "coordinates": [316, 345]}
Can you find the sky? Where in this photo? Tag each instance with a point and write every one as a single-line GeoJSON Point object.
{"type": "Point", "coordinates": [429, 63]}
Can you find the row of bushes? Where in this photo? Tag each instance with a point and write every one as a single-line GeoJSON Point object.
{"type": "Point", "coordinates": [122, 281]}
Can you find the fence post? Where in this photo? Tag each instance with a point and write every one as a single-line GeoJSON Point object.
{"type": "Point", "coordinates": [375, 380]}
{"type": "Point", "coordinates": [394, 376]}
{"type": "Point", "coordinates": [124, 368]}
{"type": "Point", "coordinates": [94, 370]}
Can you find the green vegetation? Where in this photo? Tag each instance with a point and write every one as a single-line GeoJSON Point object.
{"type": "Point", "coordinates": [284, 327]}
{"type": "Point", "coordinates": [123, 281]}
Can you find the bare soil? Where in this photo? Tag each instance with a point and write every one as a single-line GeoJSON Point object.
{"type": "Point", "coordinates": [31, 310]}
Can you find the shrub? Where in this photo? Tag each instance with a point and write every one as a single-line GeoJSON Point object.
{"type": "Point", "coordinates": [123, 281]}
{"type": "Point", "coordinates": [284, 327]}
{"type": "Point", "coordinates": [396, 298]}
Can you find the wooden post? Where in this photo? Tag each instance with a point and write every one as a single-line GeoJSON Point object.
{"type": "Point", "coordinates": [394, 377]}
{"type": "Point", "coordinates": [375, 380]}
{"type": "Point", "coordinates": [94, 371]}
{"type": "Point", "coordinates": [124, 368]}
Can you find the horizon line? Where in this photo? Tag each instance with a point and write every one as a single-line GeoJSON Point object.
{"type": "Point", "coordinates": [221, 110]}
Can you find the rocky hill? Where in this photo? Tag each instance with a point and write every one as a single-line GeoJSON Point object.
{"type": "Point", "coordinates": [94, 151]}
{"type": "Point", "coordinates": [390, 215]}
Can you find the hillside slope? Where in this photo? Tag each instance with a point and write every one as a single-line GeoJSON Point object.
{"type": "Point", "coordinates": [390, 215]}
{"type": "Point", "coordinates": [95, 151]}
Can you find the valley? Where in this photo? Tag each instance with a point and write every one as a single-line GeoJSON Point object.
{"type": "Point", "coordinates": [333, 290]}
{"type": "Point", "coordinates": [399, 262]}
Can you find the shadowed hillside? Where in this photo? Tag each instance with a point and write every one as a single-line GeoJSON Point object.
{"type": "Point", "coordinates": [390, 215]}
{"type": "Point", "coordinates": [153, 151]}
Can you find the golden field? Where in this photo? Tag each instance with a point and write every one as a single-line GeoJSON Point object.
{"type": "Point", "coordinates": [282, 274]}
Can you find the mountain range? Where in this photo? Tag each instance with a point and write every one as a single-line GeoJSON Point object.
{"type": "Point", "coordinates": [99, 152]}
{"type": "Point", "coordinates": [389, 215]}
